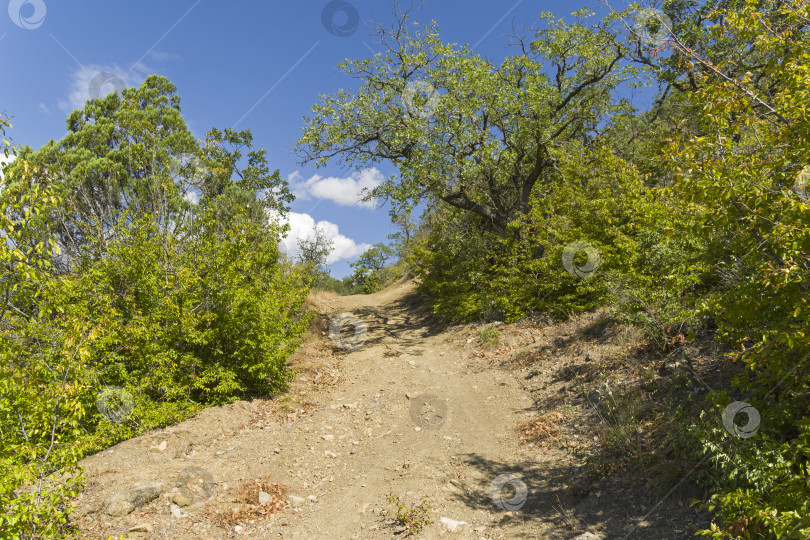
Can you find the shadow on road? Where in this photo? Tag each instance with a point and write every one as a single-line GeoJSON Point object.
{"type": "Point", "coordinates": [406, 319]}
{"type": "Point", "coordinates": [530, 492]}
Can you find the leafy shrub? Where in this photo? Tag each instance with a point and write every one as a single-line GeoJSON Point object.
{"type": "Point", "coordinates": [745, 174]}
{"type": "Point", "coordinates": [203, 323]}
{"type": "Point", "coordinates": [346, 286]}
{"type": "Point", "coordinates": [43, 345]}
{"type": "Point", "coordinates": [490, 337]}
{"type": "Point", "coordinates": [180, 304]}
{"type": "Point", "coordinates": [371, 270]}
{"type": "Point", "coordinates": [467, 272]}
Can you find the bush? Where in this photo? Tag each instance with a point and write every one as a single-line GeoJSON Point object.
{"type": "Point", "coordinates": [745, 173]}
{"type": "Point", "coordinates": [371, 270]}
{"type": "Point", "coordinates": [346, 286]}
{"type": "Point", "coordinates": [178, 326]}
{"type": "Point", "coordinates": [203, 323]}
{"type": "Point", "coordinates": [43, 344]}
{"type": "Point", "coordinates": [176, 305]}
{"type": "Point", "coordinates": [602, 211]}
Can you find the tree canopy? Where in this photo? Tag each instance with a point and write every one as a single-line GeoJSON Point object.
{"type": "Point", "coordinates": [132, 154]}
{"type": "Point", "coordinates": [467, 132]}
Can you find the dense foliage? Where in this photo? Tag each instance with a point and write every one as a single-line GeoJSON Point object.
{"type": "Point", "coordinates": [372, 271]}
{"type": "Point", "coordinates": [544, 191]}
{"type": "Point", "coordinates": [746, 170]}
{"type": "Point", "coordinates": [140, 264]}
{"type": "Point", "coordinates": [141, 280]}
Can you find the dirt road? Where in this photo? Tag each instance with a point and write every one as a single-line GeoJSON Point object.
{"type": "Point", "coordinates": [408, 409]}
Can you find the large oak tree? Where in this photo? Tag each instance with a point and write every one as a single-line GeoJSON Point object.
{"type": "Point", "coordinates": [465, 131]}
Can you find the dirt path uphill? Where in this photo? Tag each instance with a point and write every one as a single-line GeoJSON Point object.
{"type": "Point", "coordinates": [400, 407]}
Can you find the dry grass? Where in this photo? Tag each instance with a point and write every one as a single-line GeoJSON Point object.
{"type": "Point", "coordinates": [531, 355]}
{"type": "Point", "coordinates": [314, 356]}
{"type": "Point", "coordinates": [541, 430]}
{"type": "Point", "coordinates": [248, 495]}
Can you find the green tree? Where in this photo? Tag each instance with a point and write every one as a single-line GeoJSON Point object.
{"type": "Point", "coordinates": [466, 132]}
{"type": "Point", "coordinates": [369, 269]}
{"type": "Point", "coordinates": [43, 344]}
{"type": "Point", "coordinates": [132, 155]}
{"type": "Point", "coordinates": [314, 250]}
{"type": "Point", "coordinates": [700, 37]}
{"type": "Point", "coordinates": [112, 274]}
{"type": "Point", "coordinates": [406, 229]}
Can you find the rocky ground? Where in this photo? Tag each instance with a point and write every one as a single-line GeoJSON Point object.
{"type": "Point", "coordinates": [407, 410]}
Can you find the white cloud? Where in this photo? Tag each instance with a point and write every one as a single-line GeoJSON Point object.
{"type": "Point", "coordinates": [91, 80]}
{"type": "Point", "coordinates": [44, 109]}
{"type": "Point", "coordinates": [346, 191]}
{"type": "Point", "coordinates": [302, 226]}
{"type": "Point", "coordinates": [4, 159]}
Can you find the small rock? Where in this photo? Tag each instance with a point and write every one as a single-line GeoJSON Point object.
{"type": "Point", "coordinates": [122, 503]}
{"type": "Point", "coordinates": [328, 437]}
{"type": "Point", "coordinates": [176, 512]}
{"type": "Point", "coordinates": [589, 536]}
{"type": "Point", "coordinates": [277, 450]}
{"type": "Point", "coordinates": [237, 529]}
{"type": "Point", "coordinates": [118, 507]}
{"type": "Point", "coordinates": [452, 525]}
{"type": "Point", "coordinates": [143, 527]}
{"type": "Point", "coordinates": [264, 498]}
{"type": "Point", "coordinates": [159, 448]}
{"type": "Point", "coordinates": [330, 454]}
{"type": "Point", "coordinates": [296, 501]}
{"type": "Point", "coordinates": [312, 499]}
{"type": "Point", "coordinates": [180, 499]}
{"type": "Point", "coordinates": [193, 473]}
{"type": "Point", "coordinates": [198, 480]}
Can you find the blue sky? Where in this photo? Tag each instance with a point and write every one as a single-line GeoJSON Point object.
{"type": "Point", "coordinates": [247, 64]}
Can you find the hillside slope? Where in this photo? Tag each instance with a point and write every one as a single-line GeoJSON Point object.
{"type": "Point", "coordinates": [416, 410]}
